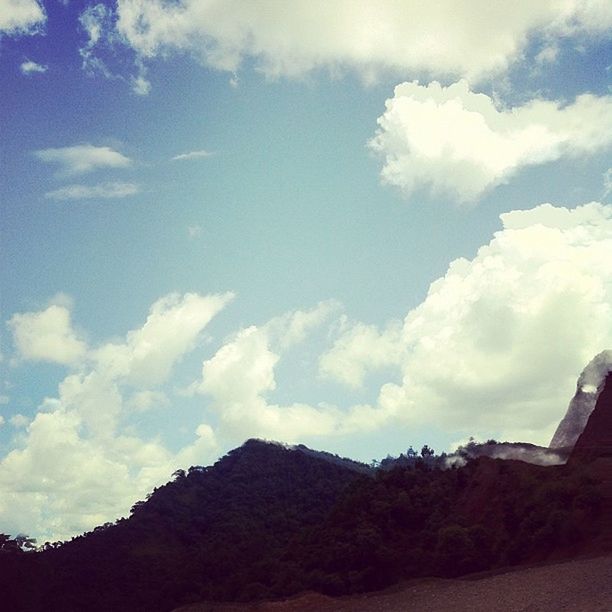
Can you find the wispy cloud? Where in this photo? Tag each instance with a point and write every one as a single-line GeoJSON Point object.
{"type": "Point", "coordinates": [19, 421]}
{"type": "Point", "coordinates": [194, 231]}
{"type": "Point", "coordinates": [607, 182]}
{"type": "Point", "coordinates": [192, 155]}
{"type": "Point", "coordinates": [88, 192]}
{"type": "Point", "coordinates": [83, 158]}
{"type": "Point", "coordinates": [29, 67]}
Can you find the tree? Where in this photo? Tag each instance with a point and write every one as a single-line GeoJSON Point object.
{"type": "Point", "coordinates": [427, 452]}
{"type": "Point", "coordinates": [20, 543]}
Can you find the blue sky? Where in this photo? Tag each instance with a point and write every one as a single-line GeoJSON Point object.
{"type": "Point", "coordinates": [355, 225]}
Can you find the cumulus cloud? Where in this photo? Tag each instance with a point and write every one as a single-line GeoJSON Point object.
{"type": "Point", "coordinates": [29, 67]}
{"type": "Point", "coordinates": [47, 335]}
{"type": "Point", "coordinates": [171, 329]}
{"type": "Point", "coordinates": [21, 17]}
{"type": "Point", "coordinates": [80, 159]}
{"type": "Point", "coordinates": [192, 155]}
{"type": "Point", "coordinates": [241, 375]}
{"type": "Point", "coordinates": [50, 485]}
{"type": "Point", "coordinates": [497, 345]}
{"type": "Point", "coordinates": [359, 349]}
{"type": "Point", "coordinates": [449, 38]}
{"type": "Point", "coordinates": [105, 191]}
{"type": "Point", "coordinates": [457, 142]}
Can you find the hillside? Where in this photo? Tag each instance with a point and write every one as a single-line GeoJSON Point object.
{"type": "Point", "coordinates": [208, 533]}
{"type": "Point", "coordinates": [269, 521]}
{"type": "Point", "coordinates": [582, 585]}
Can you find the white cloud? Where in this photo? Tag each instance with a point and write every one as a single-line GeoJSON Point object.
{"type": "Point", "coordinates": [358, 349]}
{"type": "Point", "coordinates": [448, 38]}
{"type": "Point", "coordinates": [194, 231]}
{"type": "Point", "coordinates": [241, 375]}
{"type": "Point", "coordinates": [547, 55]}
{"type": "Point", "coordinates": [21, 17]}
{"type": "Point", "coordinates": [4, 399]}
{"type": "Point", "coordinates": [105, 191]}
{"type": "Point", "coordinates": [454, 141]}
{"type": "Point", "coordinates": [143, 401]}
{"type": "Point", "coordinates": [607, 182]}
{"type": "Point", "coordinates": [96, 20]}
{"type": "Point", "coordinates": [141, 86]}
{"type": "Point", "coordinates": [1, 420]}
{"type": "Point", "coordinates": [19, 421]}
{"type": "Point", "coordinates": [47, 335]}
{"type": "Point", "coordinates": [50, 485]}
{"type": "Point", "coordinates": [80, 159]}
{"type": "Point", "coordinates": [293, 327]}
{"type": "Point", "coordinates": [496, 347]}
{"type": "Point", "coordinates": [192, 155]}
{"type": "Point", "coordinates": [171, 329]}
{"type": "Point", "coordinates": [29, 67]}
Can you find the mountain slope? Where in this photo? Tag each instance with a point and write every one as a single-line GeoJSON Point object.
{"type": "Point", "coordinates": [210, 533]}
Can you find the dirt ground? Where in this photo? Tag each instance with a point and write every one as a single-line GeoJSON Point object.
{"type": "Point", "coordinates": [582, 585]}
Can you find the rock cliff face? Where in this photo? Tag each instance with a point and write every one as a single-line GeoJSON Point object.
{"type": "Point", "coordinates": [590, 384]}
{"type": "Point", "coordinates": [595, 442]}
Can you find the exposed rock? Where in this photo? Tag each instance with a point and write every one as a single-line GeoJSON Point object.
{"type": "Point", "coordinates": [590, 384]}
{"type": "Point", "coordinates": [595, 442]}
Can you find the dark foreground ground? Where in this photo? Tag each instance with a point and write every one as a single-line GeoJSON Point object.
{"type": "Point", "coordinates": [582, 585]}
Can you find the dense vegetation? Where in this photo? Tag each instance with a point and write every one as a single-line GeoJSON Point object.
{"type": "Point", "coordinates": [267, 521]}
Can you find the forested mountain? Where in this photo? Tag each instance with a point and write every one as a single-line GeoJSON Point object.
{"type": "Point", "coordinates": [269, 521]}
{"type": "Point", "coordinates": [211, 532]}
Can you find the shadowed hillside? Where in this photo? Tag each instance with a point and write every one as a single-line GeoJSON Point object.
{"type": "Point", "coordinates": [270, 521]}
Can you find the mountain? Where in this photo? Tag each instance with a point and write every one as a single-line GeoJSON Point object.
{"type": "Point", "coordinates": [589, 386]}
{"type": "Point", "coordinates": [270, 520]}
{"type": "Point", "coordinates": [210, 533]}
{"type": "Point", "coordinates": [593, 453]}
{"type": "Point", "coordinates": [595, 441]}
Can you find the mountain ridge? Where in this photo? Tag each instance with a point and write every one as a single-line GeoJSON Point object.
{"type": "Point", "coordinates": [269, 520]}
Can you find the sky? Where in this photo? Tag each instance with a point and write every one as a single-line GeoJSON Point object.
{"type": "Point", "coordinates": [355, 225]}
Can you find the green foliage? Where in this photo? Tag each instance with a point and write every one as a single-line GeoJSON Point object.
{"type": "Point", "coordinates": [268, 522]}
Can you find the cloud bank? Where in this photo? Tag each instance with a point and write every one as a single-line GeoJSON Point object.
{"type": "Point", "coordinates": [494, 350]}
{"type": "Point", "coordinates": [241, 375]}
{"type": "Point", "coordinates": [449, 38]}
{"type": "Point", "coordinates": [497, 345]}
{"type": "Point", "coordinates": [50, 483]}
{"type": "Point", "coordinates": [456, 142]}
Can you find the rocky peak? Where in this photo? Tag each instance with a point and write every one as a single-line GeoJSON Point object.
{"type": "Point", "coordinates": [595, 441]}
{"type": "Point", "coordinates": [588, 388]}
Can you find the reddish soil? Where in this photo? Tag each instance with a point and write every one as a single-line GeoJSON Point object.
{"type": "Point", "coordinates": [581, 585]}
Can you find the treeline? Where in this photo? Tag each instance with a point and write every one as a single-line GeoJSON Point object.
{"type": "Point", "coordinates": [267, 522]}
